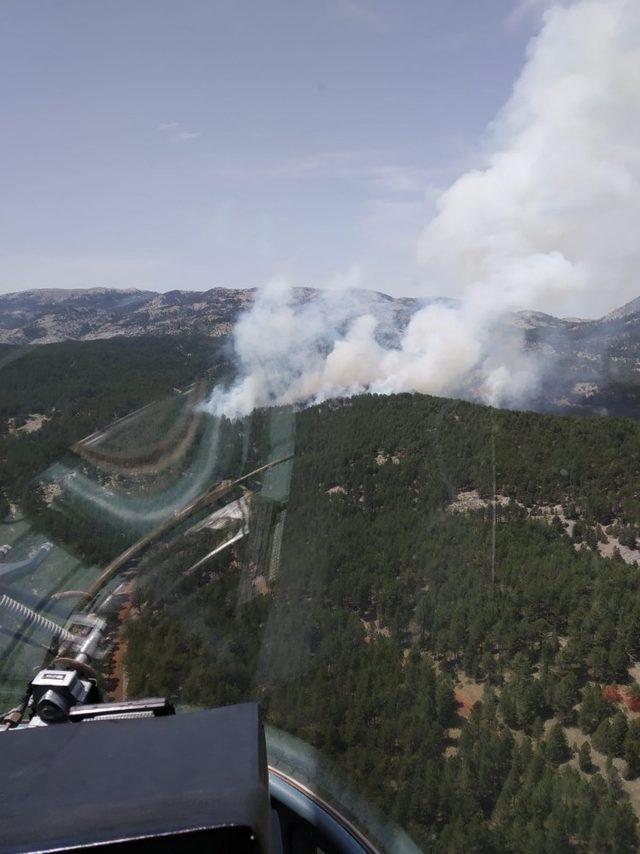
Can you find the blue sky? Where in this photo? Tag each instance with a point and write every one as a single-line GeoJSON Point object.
{"type": "Point", "coordinates": [201, 143]}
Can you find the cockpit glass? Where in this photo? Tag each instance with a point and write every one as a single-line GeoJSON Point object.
{"type": "Point", "coordinates": [319, 388]}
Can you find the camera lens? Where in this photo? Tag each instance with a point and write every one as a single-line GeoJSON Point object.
{"type": "Point", "coordinates": [53, 708]}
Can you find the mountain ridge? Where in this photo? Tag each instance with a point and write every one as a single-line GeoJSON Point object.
{"type": "Point", "coordinates": [587, 366]}
{"type": "Point", "coordinates": [49, 315]}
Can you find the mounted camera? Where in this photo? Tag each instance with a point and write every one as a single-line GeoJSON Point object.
{"type": "Point", "coordinates": [146, 779]}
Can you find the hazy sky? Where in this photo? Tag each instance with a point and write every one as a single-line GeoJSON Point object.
{"type": "Point", "coordinates": [197, 143]}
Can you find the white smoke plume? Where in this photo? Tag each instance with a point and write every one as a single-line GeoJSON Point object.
{"type": "Point", "coordinates": [549, 223]}
{"type": "Point", "coordinates": [290, 353]}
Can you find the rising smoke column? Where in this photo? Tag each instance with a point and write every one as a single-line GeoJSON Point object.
{"type": "Point", "coordinates": [287, 353]}
{"type": "Point", "coordinates": [548, 223]}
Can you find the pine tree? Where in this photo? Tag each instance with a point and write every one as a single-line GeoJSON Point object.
{"type": "Point", "coordinates": [613, 779]}
{"type": "Point", "coordinates": [4, 506]}
{"type": "Point", "coordinates": [631, 755]}
{"type": "Point", "coordinates": [593, 709]}
{"type": "Point", "coordinates": [591, 538]}
{"type": "Point", "coordinates": [557, 747]}
{"type": "Point", "coordinates": [618, 733]}
{"type": "Point", "coordinates": [614, 829]}
{"type": "Point", "coordinates": [599, 663]}
{"type": "Point", "coordinates": [565, 696]}
{"type": "Point", "coordinates": [618, 662]}
{"type": "Point", "coordinates": [584, 757]}
{"type": "Point", "coordinates": [601, 739]}
{"type": "Point", "coordinates": [628, 537]}
{"type": "Point", "coordinates": [537, 729]}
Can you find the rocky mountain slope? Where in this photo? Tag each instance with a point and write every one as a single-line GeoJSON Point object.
{"type": "Point", "coordinates": [591, 366]}
{"type": "Point", "coordinates": [48, 316]}
{"type": "Point", "coordinates": [588, 365]}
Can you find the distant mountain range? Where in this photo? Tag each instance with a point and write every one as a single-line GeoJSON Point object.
{"type": "Point", "coordinates": [590, 365]}
{"type": "Point", "coordinates": [47, 316]}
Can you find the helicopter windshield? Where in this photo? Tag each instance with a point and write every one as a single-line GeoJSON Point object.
{"type": "Point", "coordinates": [391, 494]}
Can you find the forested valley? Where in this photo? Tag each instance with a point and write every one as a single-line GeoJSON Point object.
{"type": "Point", "coordinates": [393, 595]}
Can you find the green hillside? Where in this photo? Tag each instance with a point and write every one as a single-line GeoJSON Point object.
{"type": "Point", "coordinates": [385, 600]}
{"type": "Point", "coordinates": [434, 553]}
{"type": "Point", "coordinates": [77, 387]}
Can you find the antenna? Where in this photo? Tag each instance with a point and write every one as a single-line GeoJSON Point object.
{"type": "Point", "coordinates": [493, 508]}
